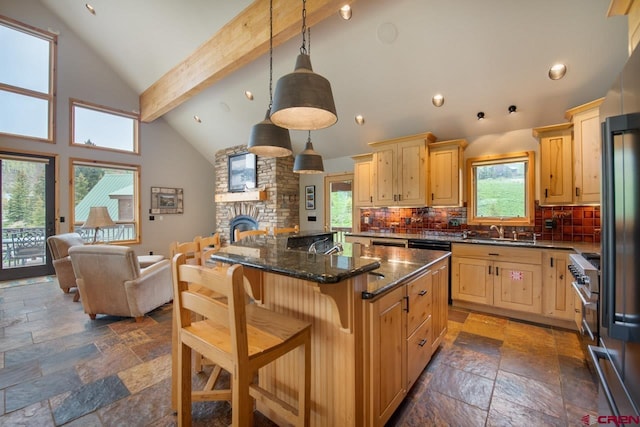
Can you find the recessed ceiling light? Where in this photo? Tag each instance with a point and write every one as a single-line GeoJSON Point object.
{"type": "Point", "coordinates": [557, 71]}
{"type": "Point", "coordinates": [438, 100]}
{"type": "Point", "coordinates": [387, 33]}
{"type": "Point", "coordinates": [360, 119]}
{"type": "Point", "coordinates": [249, 95]}
{"type": "Point", "coordinates": [512, 109]}
{"type": "Point", "coordinates": [197, 118]}
{"type": "Point", "coordinates": [90, 8]}
{"type": "Point", "coordinates": [345, 12]}
{"type": "Point", "coordinates": [480, 115]}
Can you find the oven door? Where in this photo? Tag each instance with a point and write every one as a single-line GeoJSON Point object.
{"type": "Point", "coordinates": [589, 309]}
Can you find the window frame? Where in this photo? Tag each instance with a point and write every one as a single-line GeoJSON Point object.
{"type": "Point", "coordinates": [74, 102]}
{"type": "Point", "coordinates": [50, 97]}
{"type": "Point", "coordinates": [529, 218]}
{"type": "Point", "coordinates": [137, 172]}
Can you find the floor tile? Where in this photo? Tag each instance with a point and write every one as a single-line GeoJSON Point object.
{"type": "Point", "coordinates": [473, 362]}
{"type": "Point", "coordinates": [109, 362]}
{"type": "Point", "coordinates": [68, 358]}
{"type": "Point", "coordinates": [88, 398]}
{"type": "Point", "coordinates": [146, 374]}
{"type": "Point", "coordinates": [19, 373]}
{"type": "Point", "coordinates": [36, 414]}
{"type": "Point", "coordinates": [29, 392]}
{"type": "Point", "coordinates": [481, 344]}
{"type": "Point", "coordinates": [464, 386]}
{"type": "Point", "coordinates": [532, 394]}
{"type": "Point", "coordinates": [504, 413]}
{"type": "Point", "coordinates": [437, 409]}
{"type": "Point", "coordinates": [539, 366]}
{"type": "Point", "coordinates": [142, 408]}
{"type": "Point", "coordinates": [488, 326]}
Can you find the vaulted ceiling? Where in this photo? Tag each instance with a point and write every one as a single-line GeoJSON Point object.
{"type": "Point", "coordinates": [385, 63]}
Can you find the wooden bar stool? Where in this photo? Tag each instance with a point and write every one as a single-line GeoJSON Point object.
{"type": "Point", "coordinates": [294, 229]}
{"type": "Point", "coordinates": [241, 338]}
{"type": "Point", "coordinates": [239, 235]}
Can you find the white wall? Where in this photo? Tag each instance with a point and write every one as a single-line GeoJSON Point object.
{"type": "Point", "coordinates": [166, 158]}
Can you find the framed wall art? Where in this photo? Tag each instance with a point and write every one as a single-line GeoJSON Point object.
{"type": "Point", "coordinates": [310, 197]}
{"type": "Point", "coordinates": [242, 172]}
{"type": "Point", "coordinates": [166, 200]}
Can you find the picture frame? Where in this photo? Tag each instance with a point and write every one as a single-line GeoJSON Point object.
{"type": "Point", "coordinates": [242, 172]}
{"type": "Point", "coordinates": [165, 200]}
{"type": "Point", "coordinates": [310, 197]}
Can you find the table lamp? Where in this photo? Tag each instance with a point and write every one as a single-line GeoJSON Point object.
{"type": "Point", "coordinates": [98, 217]}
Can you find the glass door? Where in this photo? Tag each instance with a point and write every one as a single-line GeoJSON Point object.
{"type": "Point", "coordinates": [27, 183]}
{"type": "Point", "coordinates": [339, 203]}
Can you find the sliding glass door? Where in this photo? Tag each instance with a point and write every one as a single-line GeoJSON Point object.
{"type": "Point", "coordinates": [27, 183]}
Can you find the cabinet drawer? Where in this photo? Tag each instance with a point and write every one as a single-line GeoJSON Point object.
{"type": "Point", "coordinates": [418, 351]}
{"type": "Point", "coordinates": [420, 293]}
{"type": "Point", "coordinates": [497, 253]}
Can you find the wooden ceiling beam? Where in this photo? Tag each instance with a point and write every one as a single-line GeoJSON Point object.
{"type": "Point", "coordinates": [241, 41]}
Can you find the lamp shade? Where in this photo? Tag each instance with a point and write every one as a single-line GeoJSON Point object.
{"type": "Point", "coordinates": [269, 140]}
{"type": "Point", "coordinates": [98, 217]}
{"type": "Point", "coordinates": [309, 161]}
{"type": "Point", "coordinates": [303, 99]}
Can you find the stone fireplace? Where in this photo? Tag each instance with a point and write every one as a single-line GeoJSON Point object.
{"type": "Point", "coordinates": [280, 207]}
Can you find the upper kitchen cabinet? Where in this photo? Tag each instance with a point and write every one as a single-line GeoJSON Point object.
{"type": "Point", "coordinates": [399, 170]}
{"type": "Point", "coordinates": [586, 151]}
{"type": "Point", "coordinates": [631, 8]}
{"type": "Point", "coordinates": [445, 172]}
{"type": "Point", "coordinates": [556, 174]}
{"type": "Point", "coordinates": [363, 180]}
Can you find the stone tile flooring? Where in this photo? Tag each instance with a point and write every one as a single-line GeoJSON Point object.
{"type": "Point", "coordinates": [57, 367]}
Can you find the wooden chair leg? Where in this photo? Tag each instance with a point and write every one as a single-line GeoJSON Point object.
{"type": "Point", "coordinates": [304, 382]}
{"type": "Point", "coordinates": [92, 316]}
{"type": "Point", "coordinates": [241, 400]}
{"type": "Point", "coordinates": [76, 296]}
{"type": "Point", "coordinates": [184, 385]}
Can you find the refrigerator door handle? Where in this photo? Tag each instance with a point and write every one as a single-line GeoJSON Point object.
{"type": "Point", "coordinates": [597, 353]}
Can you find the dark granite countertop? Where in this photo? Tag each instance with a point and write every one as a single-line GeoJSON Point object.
{"type": "Point", "coordinates": [386, 267]}
{"type": "Point", "coordinates": [457, 238]}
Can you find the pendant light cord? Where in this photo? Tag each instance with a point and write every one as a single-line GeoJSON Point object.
{"type": "Point", "coordinates": [270, 54]}
{"type": "Point", "coordinates": [303, 48]}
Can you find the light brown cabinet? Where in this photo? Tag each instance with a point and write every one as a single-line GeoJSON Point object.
{"type": "Point", "coordinates": [586, 151]}
{"type": "Point", "coordinates": [399, 171]}
{"type": "Point", "coordinates": [403, 326]}
{"type": "Point", "coordinates": [558, 295]}
{"type": "Point", "coordinates": [556, 157]}
{"type": "Point", "coordinates": [445, 172]}
{"type": "Point", "coordinates": [498, 276]}
{"type": "Point", "coordinates": [363, 180]}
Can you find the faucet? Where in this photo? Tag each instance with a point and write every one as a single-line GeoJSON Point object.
{"type": "Point", "coordinates": [499, 230]}
{"type": "Point", "coordinates": [312, 247]}
{"type": "Point", "coordinates": [337, 248]}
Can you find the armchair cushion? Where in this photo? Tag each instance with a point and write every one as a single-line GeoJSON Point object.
{"type": "Point", "coordinates": [110, 281]}
{"type": "Point", "coordinates": [59, 247]}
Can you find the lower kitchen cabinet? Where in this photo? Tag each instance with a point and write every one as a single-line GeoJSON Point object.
{"type": "Point", "coordinates": [558, 296]}
{"type": "Point", "coordinates": [402, 329]}
{"type": "Point", "coordinates": [532, 283]}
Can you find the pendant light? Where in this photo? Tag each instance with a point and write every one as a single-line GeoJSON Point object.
{"type": "Point", "coordinates": [267, 139]}
{"type": "Point", "coordinates": [303, 99]}
{"type": "Point", "coordinates": [309, 161]}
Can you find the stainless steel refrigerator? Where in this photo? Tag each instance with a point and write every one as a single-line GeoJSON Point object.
{"type": "Point", "coordinates": [617, 357]}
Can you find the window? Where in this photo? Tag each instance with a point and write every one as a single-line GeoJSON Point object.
{"type": "Point", "coordinates": [339, 202]}
{"type": "Point", "coordinates": [501, 189]}
{"type": "Point", "coordinates": [112, 185]}
{"type": "Point", "coordinates": [26, 81]}
{"type": "Point", "coordinates": [103, 127]}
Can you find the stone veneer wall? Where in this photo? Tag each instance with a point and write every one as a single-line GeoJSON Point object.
{"type": "Point", "coordinates": [275, 175]}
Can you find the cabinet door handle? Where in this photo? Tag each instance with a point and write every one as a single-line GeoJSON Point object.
{"type": "Point", "coordinates": [551, 261]}
{"type": "Point", "coordinates": [371, 199]}
{"type": "Point", "coordinates": [561, 276]}
{"type": "Point", "coordinates": [395, 197]}
{"type": "Point", "coordinates": [577, 191]}
{"type": "Point", "coordinates": [546, 193]}
{"type": "Point", "coordinates": [422, 342]}
{"type": "Point", "coordinates": [490, 270]}
{"type": "Point", "coordinates": [423, 292]}
{"type": "Point", "coordinates": [399, 197]}
{"type": "Point", "coordinates": [432, 197]}
{"type": "Point", "coordinates": [407, 306]}
{"type": "Point", "coordinates": [497, 271]}
{"type": "Point", "coordinates": [493, 254]}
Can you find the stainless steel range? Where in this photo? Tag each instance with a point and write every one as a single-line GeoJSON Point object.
{"type": "Point", "coordinates": [585, 269]}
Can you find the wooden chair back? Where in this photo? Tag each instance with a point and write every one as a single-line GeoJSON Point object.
{"type": "Point", "coordinates": [190, 249]}
{"type": "Point", "coordinates": [206, 243]}
{"type": "Point", "coordinates": [239, 235]}
{"type": "Point", "coordinates": [294, 229]}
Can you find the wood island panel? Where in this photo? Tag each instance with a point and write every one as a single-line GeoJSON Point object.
{"type": "Point", "coordinates": [336, 359]}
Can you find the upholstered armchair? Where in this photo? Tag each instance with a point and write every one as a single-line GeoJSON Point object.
{"type": "Point", "coordinates": [110, 281]}
{"type": "Point", "coordinates": [59, 247]}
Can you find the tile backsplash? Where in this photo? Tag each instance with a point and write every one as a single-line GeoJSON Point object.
{"type": "Point", "coordinates": [557, 223]}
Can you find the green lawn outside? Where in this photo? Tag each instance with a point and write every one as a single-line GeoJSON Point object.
{"type": "Point", "coordinates": [501, 197]}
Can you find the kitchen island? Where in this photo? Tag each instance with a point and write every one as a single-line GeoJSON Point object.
{"type": "Point", "coordinates": [372, 316]}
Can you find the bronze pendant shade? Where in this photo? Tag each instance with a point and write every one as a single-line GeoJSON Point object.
{"type": "Point", "coordinates": [269, 140]}
{"type": "Point", "coordinates": [309, 161]}
{"type": "Point", "coordinates": [303, 99]}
